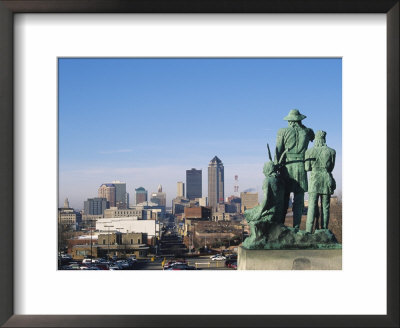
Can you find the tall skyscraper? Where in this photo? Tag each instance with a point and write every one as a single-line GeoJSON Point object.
{"type": "Point", "coordinates": [180, 189]}
{"type": "Point", "coordinates": [95, 206]}
{"type": "Point", "coordinates": [215, 183]}
{"type": "Point", "coordinates": [121, 196]}
{"type": "Point", "coordinates": [141, 195]}
{"type": "Point", "coordinates": [193, 184]}
{"type": "Point", "coordinates": [108, 191]}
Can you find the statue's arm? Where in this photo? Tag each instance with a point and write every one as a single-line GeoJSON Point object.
{"type": "Point", "coordinates": [307, 160]}
{"type": "Point", "coordinates": [280, 144]}
{"type": "Point", "coordinates": [330, 169]}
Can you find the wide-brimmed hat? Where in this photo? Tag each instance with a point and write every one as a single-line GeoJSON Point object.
{"type": "Point", "coordinates": [294, 115]}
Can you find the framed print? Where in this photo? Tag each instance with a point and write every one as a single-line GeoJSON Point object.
{"type": "Point", "coordinates": [37, 36]}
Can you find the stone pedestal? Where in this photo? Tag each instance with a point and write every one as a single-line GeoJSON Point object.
{"type": "Point", "coordinates": [297, 259]}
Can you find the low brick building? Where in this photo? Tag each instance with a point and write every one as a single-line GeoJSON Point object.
{"type": "Point", "coordinates": [104, 244]}
{"type": "Point", "coordinates": [130, 238]}
{"type": "Point", "coordinates": [79, 252]}
{"type": "Point", "coordinates": [198, 212]}
{"type": "Point", "coordinates": [81, 240]}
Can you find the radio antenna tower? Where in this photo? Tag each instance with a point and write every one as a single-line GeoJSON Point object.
{"type": "Point", "coordinates": [236, 186]}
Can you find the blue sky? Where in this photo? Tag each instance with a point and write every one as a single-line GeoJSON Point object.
{"type": "Point", "coordinates": [145, 121]}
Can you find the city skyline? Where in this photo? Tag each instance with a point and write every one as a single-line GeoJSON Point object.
{"type": "Point", "coordinates": [146, 121]}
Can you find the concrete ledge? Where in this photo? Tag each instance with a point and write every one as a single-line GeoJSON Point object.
{"type": "Point", "coordinates": [291, 259]}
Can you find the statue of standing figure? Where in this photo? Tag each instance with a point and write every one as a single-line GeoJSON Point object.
{"type": "Point", "coordinates": [294, 140]}
{"type": "Point", "coordinates": [320, 160]}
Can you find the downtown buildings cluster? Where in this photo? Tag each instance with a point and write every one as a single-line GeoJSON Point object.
{"type": "Point", "coordinates": [111, 226]}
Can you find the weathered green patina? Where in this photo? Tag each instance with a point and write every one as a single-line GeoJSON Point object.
{"type": "Point", "coordinates": [267, 229]}
{"type": "Point", "coordinates": [279, 236]}
{"type": "Point", "coordinates": [268, 211]}
{"type": "Point", "coordinates": [294, 140]}
{"type": "Point", "coordinates": [320, 160]}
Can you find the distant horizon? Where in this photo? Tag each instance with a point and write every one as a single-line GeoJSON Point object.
{"type": "Point", "coordinates": [146, 121]}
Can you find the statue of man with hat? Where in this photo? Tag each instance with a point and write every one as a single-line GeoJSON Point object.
{"type": "Point", "coordinates": [320, 160]}
{"type": "Point", "coordinates": [293, 140]}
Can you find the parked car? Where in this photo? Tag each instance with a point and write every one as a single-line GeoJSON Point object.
{"type": "Point", "coordinates": [124, 264]}
{"type": "Point", "coordinates": [84, 261]}
{"type": "Point", "coordinates": [89, 267]}
{"type": "Point", "coordinates": [180, 266]}
{"type": "Point", "coordinates": [174, 261]}
{"type": "Point", "coordinates": [74, 266]}
{"type": "Point", "coordinates": [102, 266]}
{"type": "Point", "coordinates": [218, 257]}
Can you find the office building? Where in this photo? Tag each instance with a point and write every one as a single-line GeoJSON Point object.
{"type": "Point", "coordinates": [202, 201]}
{"type": "Point", "coordinates": [95, 206]}
{"type": "Point", "coordinates": [159, 197]}
{"type": "Point", "coordinates": [121, 196]}
{"type": "Point", "coordinates": [235, 201]}
{"type": "Point", "coordinates": [122, 245]}
{"type": "Point", "coordinates": [180, 189]}
{"type": "Point", "coordinates": [116, 212]}
{"type": "Point", "coordinates": [108, 191]}
{"type": "Point", "coordinates": [129, 224]}
{"type": "Point", "coordinates": [66, 203]}
{"type": "Point", "coordinates": [69, 217]}
{"type": "Point", "coordinates": [193, 184]}
{"type": "Point", "coordinates": [141, 195]}
{"type": "Point", "coordinates": [249, 200]}
{"type": "Point", "coordinates": [179, 204]}
{"type": "Point", "coordinates": [198, 212]}
{"type": "Point", "coordinates": [215, 183]}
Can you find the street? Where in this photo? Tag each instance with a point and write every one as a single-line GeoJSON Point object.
{"type": "Point", "coordinates": [201, 263]}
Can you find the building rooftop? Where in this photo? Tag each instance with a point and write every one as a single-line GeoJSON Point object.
{"type": "Point", "coordinates": [216, 160]}
{"type": "Point", "coordinates": [94, 236]}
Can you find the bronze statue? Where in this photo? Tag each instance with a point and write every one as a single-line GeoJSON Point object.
{"type": "Point", "coordinates": [288, 174]}
{"type": "Point", "coordinates": [320, 160]}
{"type": "Point", "coordinates": [294, 140]}
{"type": "Point", "coordinates": [269, 210]}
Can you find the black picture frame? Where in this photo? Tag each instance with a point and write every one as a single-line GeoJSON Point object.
{"type": "Point", "coordinates": [10, 7]}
